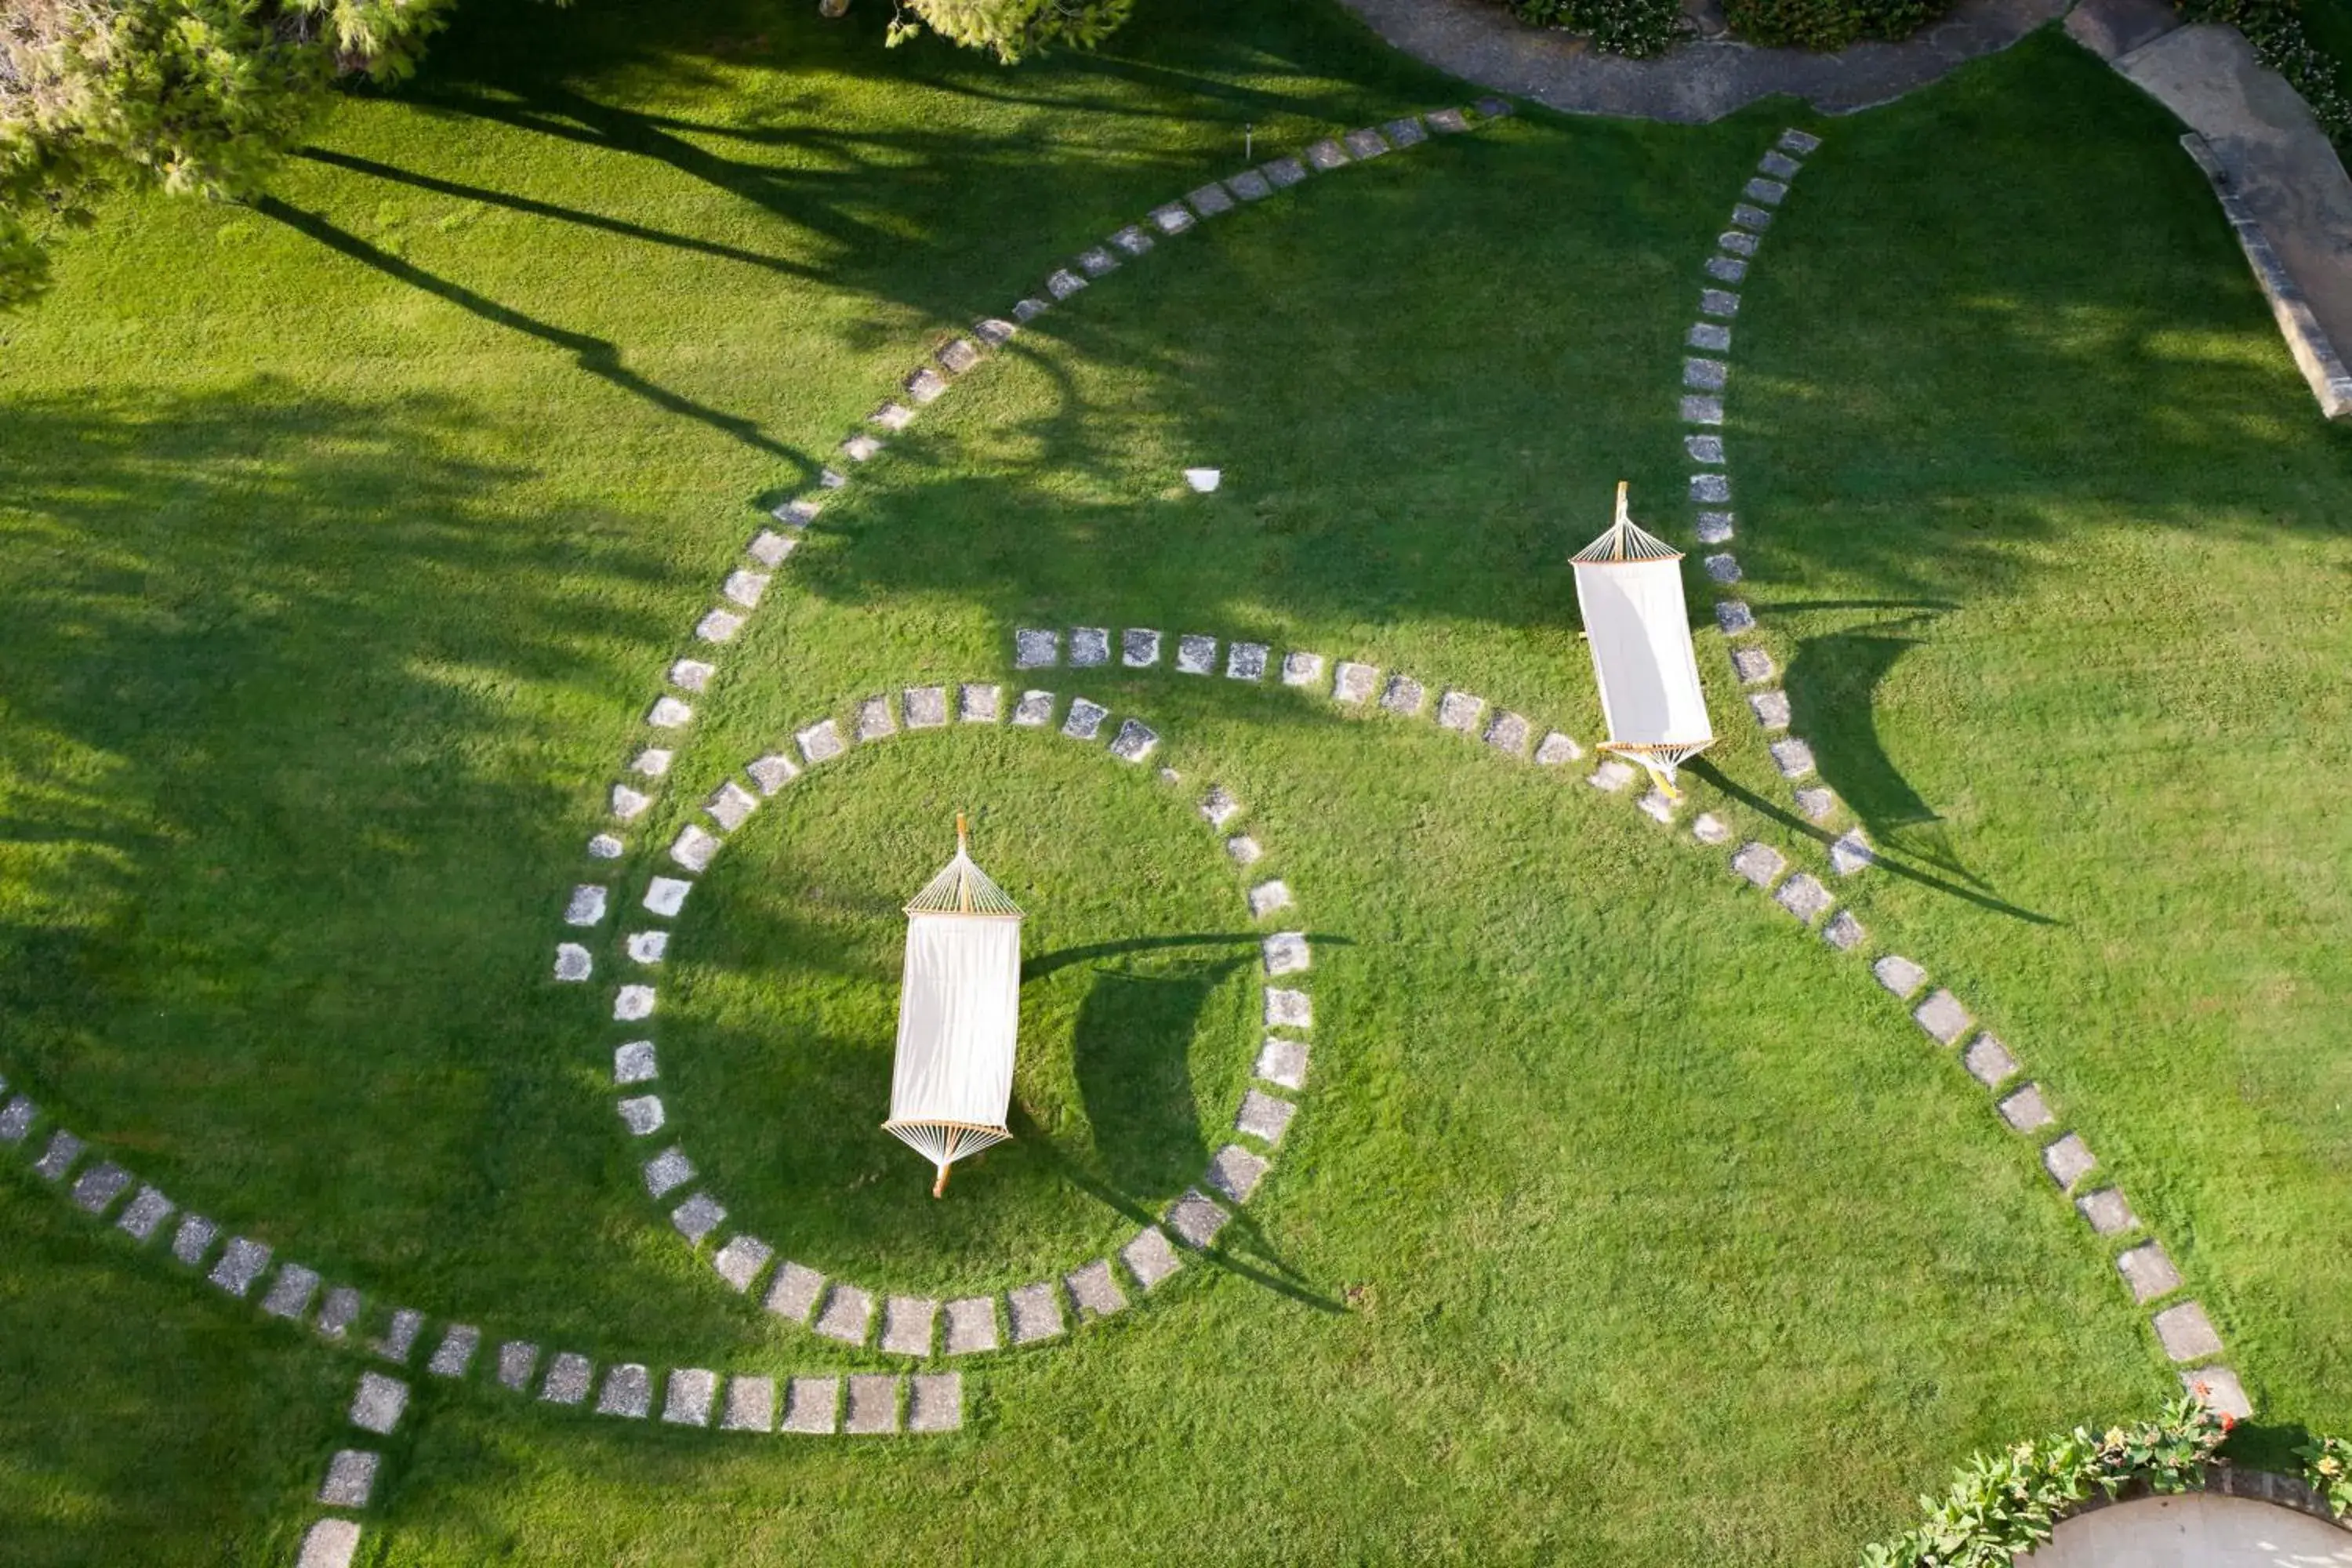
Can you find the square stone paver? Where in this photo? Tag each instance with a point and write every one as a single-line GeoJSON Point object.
{"type": "Point", "coordinates": [1094, 1292]}
{"type": "Point", "coordinates": [1085, 719]}
{"type": "Point", "coordinates": [240, 1264]}
{"type": "Point", "coordinates": [629, 804]}
{"type": "Point", "coordinates": [1726, 268]}
{"type": "Point", "coordinates": [971, 1325]}
{"type": "Point", "coordinates": [1288, 1009]}
{"type": "Point", "coordinates": [1733, 617]}
{"type": "Point", "coordinates": [873, 1406]}
{"type": "Point", "coordinates": [667, 1172]}
{"type": "Point", "coordinates": [1089, 647]}
{"type": "Point", "coordinates": [1209, 200]}
{"type": "Point", "coordinates": [1034, 1312]}
{"type": "Point", "coordinates": [1799, 141]}
{"type": "Point", "coordinates": [1704, 448]}
{"type": "Point", "coordinates": [1195, 654]}
{"type": "Point", "coordinates": [1328, 154]}
{"type": "Point", "coordinates": [935, 1401]}
{"type": "Point", "coordinates": [893, 417]}
{"type": "Point", "coordinates": [1403, 694]}
{"type": "Point", "coordinates": [1405, 132]}
{"type": "Point", "coordinates": [1460, 711]}
{"type": "Point", "coordinates": [1657, 806]}
{"type": "Point", "coordinates": [2025, 1110]}
{"type": "Point", "coordinates": [454, 1354]}
{"type": "Point", "coordinates": [634, 1063]}
{"type": "Point", "coordinates": [1194, 1220]}
{"type": "Point", "coordinates": [691, 674]}
{"type": "Point", "coordinates": [1507, 733]}
{"type": "Point", "coordinates": [688, 1395]}
{"type": "Point", "coordinates": [1706, 375]}
{"type": "Point", "coordinates": [977, 704]}
{"type": "Point", "coordinates": [926, 706]}
{"type": "Point", "coordinates": [517, 1358]}
{"type": "Point", "coordinates": [751, 1405]}
{"type": "Point", "coordinates": [1738, 241]}
{"type": "Point", "coordinates": [2068, 1161]}
{"type": "Point", "coordinates": [339, 1312]}
{"type": "Point", "coordinates": [1301, 669]}
{"type": "Point", "coordinates": [1249, 184]}
{"type": "Point", "coordinates": [1263, 1116]}
{"type": "Point", "coordinates": [1771, 193]}
{"type": "Point", "coordinates": [1804, 897]}
{"type": "Point", "coordinates": [1366, 143]}
{"type": "Point", "coordinates": [1095, 260]}
{"type": "Point", "coordinates": [1353, 682]}
{"type": "Point", "coordinates": [377, 1403]}
{"type": "Point", "coordinates": [960, 354]}
{"type": "Point", "coordinates": [848, 1315]}
{"type": "Point", "coordinates": [1284, 173]}
{"type": "Point", "coordinates": [1283, 1062]}
{"type": "Point", "coordinates": [1449, 120]}
{"type": "Point", "coordinates": [1612, 775]}
{"type": "Point", "coordinates": [742, 1261]}
{"type": "Point", "coordinates": [1061, 283]}
{"type": "Point", "coordinates": [864, 448]}
{"type": "Point", "coordinates": [291, 1292]}
{"type": "Point", "coordinates": [1710, 828]}
{"type": "Point", "coordinates": [1724, 568]}
{"type": "Point", "coordinates": [398, 1341]}
{"type": "Point", "coordinates": [330, 1543]}
{"type": "Point", "coordinates": [730, 805]}
{"type": "Point", "coordinates": [664, 896]}
{"type": "Point", "coordinates": [1267, 897]}
{"type": "Point", "coordinates": [1754, 219]}
{"type": "Point", "coordinates": [1844, 932]}
{"type": "Point", "coordinates": [876, 720]}
{"type": "Point", "coordinates": [95, 1189]}
{"type": "Point", "coordinates": [1034, 711]}
{"type": "Point", "coordinates": [1943, 1018]}
{"type": "Point", "coordinates": [2186, 1332]}
{"type": "Point", "coordinates": [605, 847]}
{"type": "Point", "coordinates": [585, 907]}
{"type": "Point", "coordinates": [1771, 709]}
{"type": "Point", "coordinates": [1714, 527]}
{"type": "Point", "coordinates": [1132, 240]}
{"type": "Point", "coordinates": [2148, 1271]}
{"type": "Point", "coordinates": [1286, 952]}
{"type": "Point", "coordinates": [2106, 1212]}
{"type": "Point", "coordinates": [812, 1404]}
{"type": "Point", "coordinates": [1702, 408]}
{"type": "Point", "coordinates": [1752, 664]}
{"type": "Point", "coordinates": [568, 1377]}
{"type": "Point", "coordinates": [193, 1239]}
{"type": "Point", "coordinates": [628, 1393]}
{"type": "Point", "coordinates": [1235, 1171]}
{"type": "Point", "coordinates": [1557, 750]}
{"type": "Point", "coordinates": [1899, 975]}
{"type": "Point", "coordinates": [820, 741]}
{"type": "Point", "coordinates": [1246, 662]}
{"type": "Point", "coordinates": [695, 848]}
{"type": "Point", "coordinates": [1792, 757]}
{"type": "Point", "coordinates": [1148, 1256]}
{"type": "Point", "coordinates": [1779, 165]}
{"type": "Point", "coordinates": [63, 1150]}
{"type": "Point", "coordinates": [1135, 741]}
{"type": "Point", "coordinates": [1851, 853]}
{"type": "Point", "coordinates": [2217, 1388]}
{"type": "Point", "coordinates": [1036, 647]}
{"type": "Point", "coordinates": [699, 1217]}
{"type": "Point", "coordinates": [907, 1324]}
{"type": "Point", "coordinates": [1759, 863]}
{"type": "Point", "coordinates": [669, 713]}
{"type": "Point", "coordinates": [1219, 806]}
{"type": "Point", "coordinates": [772, 771]}
{"type": "Point", "coordinates": [1171, 218]}
{"type": "Point", "coordinates": [144, 1214]}
{"type": "Point", "coordinates": [350, 1478]}
{"type": "Point", "coordinates": [1989, 1061]}
{"type": "Point", "coordinates": [1817, 801]}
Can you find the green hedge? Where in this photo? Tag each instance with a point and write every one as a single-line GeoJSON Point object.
{"type": "Point", "coordinates": [1828, 24]}
{"type": "Point", "coordinates": [1635, 28]}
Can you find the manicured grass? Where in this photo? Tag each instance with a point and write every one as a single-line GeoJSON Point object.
{"type": "Point", "coordinates": [344, 541]}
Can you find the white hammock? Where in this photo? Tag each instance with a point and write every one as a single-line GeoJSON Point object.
{"type": "Point", "coordinates": [958, 1010]}
{"type": "Point", "coordinates": [1629, 584]}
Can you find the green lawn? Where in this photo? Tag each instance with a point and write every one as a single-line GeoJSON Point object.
{"type": "Point", "coordinates": [345, 540]}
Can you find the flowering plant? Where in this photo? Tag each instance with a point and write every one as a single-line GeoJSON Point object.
{"type": "Point", "coordinates": [2327, 1466]}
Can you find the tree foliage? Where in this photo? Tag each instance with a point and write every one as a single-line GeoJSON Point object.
{"type": "Point", "coordinates": [1012, 29]}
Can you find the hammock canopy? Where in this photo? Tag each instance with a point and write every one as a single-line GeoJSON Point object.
{"type": "Point", "coordinates": [1629, 584]}
{"type": "Point", "coordinates": [958, 1010]}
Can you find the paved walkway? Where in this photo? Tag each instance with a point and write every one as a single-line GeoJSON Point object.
{"type": "Point", "coordinates": [2194, 1530]}
{"type": "Point", "coordinates": [1692, 83]}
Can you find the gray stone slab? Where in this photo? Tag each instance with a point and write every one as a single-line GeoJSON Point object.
{"type": "Point", "coordinates": [1771, 707]}
{"type": "Point", "coordinates": [1713, 336]}
{"type": "Point", "coordinates": [1061, 283]}
{"type": "Point", "coordinates": [2217, 1388]}
{"type": "Point", "coordinates": [1726, 268]}
{"type": "Point", "coordinates": [1799, 141]}
{"type": "Point", "coordinates": [193, 1239]}
{"type": "Point", "coordinates": [730, 805]}
{"type": "Point", "coordinates": [1899, 975]}
{"type": "Point", "coordinates": [742, 1261]}
{"type": "Point", "coordinates": [1704, 448]}
{"type": "Point", "coordinates": [957, 355]}
{"type": "Point", "coordinates": [907, 1324]}
{"type": "Point", "coordinates": [641, 1114]}
{"type": "Point", "coordinates": [1779, 165]}
{"type": "Point", "coordinates": [1723, 568]}
{"type": "Point", "coordinates": [1283, 1062]}
{"type": "Point", "coordinates": [515, 1359]}
{"type": "Point", "coordinates": [1034, 711]}
{"type": "Point", "coordinates": [631, 1003]}
{"type": "Point", "coordinates": [1844, 932]}
{"type": "Point", "coordinates": [873, 1406]}
{"type": "Point", "coordinates": [926, 706]}
{"type": "Point", "coordinates": [1657, 805]}
{"type": "Point", "coordinates": [1448, 121]}
{"type": "Point", "coordinates": [1706, 374]}
{"type": "Point", "coordinates": [1194, 1220]}
{"type": "Point", "coordinates": [241, 1264]}
{"type": "Point", "coordinates": [1759, 863]}
{"type": "Point", "coordinates": [1286, 952]}
{"type": "Point", "coordinates": [751, 1405]}
{"type": "Point", "coordinates": [1733, 617]}
{"type": "Point", "coordinates": [1353, 682]}
{"type": "Point", "coordinates": [1219, 806]}
{"type": "Point", "coordinates": [971, 1325]}
{"type": "Point", "coordinates": [1612, 775]}
{"type": "Point", "coordinates": [1135, 741]}
{"type": "Point", "coordinates": [1697, 409]}
{"type": "Point", "coordinates": [1263, 1116]}
{"type": "Point", "coordinates": [1460, 712]}
{"type": "Point", "coordinates": [691, 674]}
{"type": "Point", "coordinates": [350, 1480]}
{"type": "Point", "coordinates": [770, 773]}
{"type": "Point", "coordinates": [585, 907]}
{"type": "Point", "coordinates": [1034, 1312]}
{"type": "Point", "coordinates": [667, 1172]}
{"type": "Point", "coordinates": [2186, 1332]}
{"type": "Point", "coordinates": [568, 1375]}
{"type": "Point", "coordinates": [1771, 193]}
{"type": "Point", "coordinates": [58, 1158]}
{"type": "Point", "coordinates": [454, 1356]}
{"type": "Point", "coordinates": [1756, 220]}
{"type": "Point", "coordinates": [1268, 897]}
{"type": "Point", "coordinates": [2148, 1271]}
{"type": "Point", "coordinates": [1710, 828]}
{"type": "Point", "coordinates": [95, 1189]}
{"type": "Point", "coordinates": [1722, 304]}
{"type": "Point", "coordinates": [2106, 1212]}
{"type": "Point", "coordinates": [1209, 200]}
{"type": "Point", "coordinates": [1235, 1171]}
{"type": "Point", "coordinates": [1139, 647]}
{"type": "Point", "coordinates": [1172, 218]}
{"type": "Point", "coordinates": [1196, 654]}
{"type": "Point", "coordinates": [398, 1340]}
{"type": "Point", "coordinates": [1132, 240]}
{"type": "Point", "coordinates": [864, 448]}
{"type": "Point", "coordinates": [695, 846]}
{"type": "Point", "coordinates": [848, 1315]}
{"type": "Point", "coordinates": [628, 1393]}
{"type": "Point", "coordinates": [699, 1217]}
{"type": "Point", "coordinates": [2025, 1110]}
{"type": "Point", "coordinates": [145, 1213]}
{"type": "Point", "coordinates": [876, 720]}
{"type": "Point", "coordinates": [1402, 694]}
{"type": "Point", "coordinates": [687, 1397]}
{"type": "Point", "coordinates": [339, 1312]}
{"type": "Point", "coordinates": [1366, 143]}
{"type": "Point", "coordinates": [1095, 260]}
{"type": "Point", "coordinates": [1405, 132]}
{"type": "Point", "coordinates": [629, 803]}
{"type": "Point", "coordinates": [1804, 895]}
{"type": "Point", "coordinates": [1557, 750]}
{"type": "Point", "coordinates": [1149, 1257]}
{"type": "Point", "coordinates": [1714, 527]}
{"type": "Point", "coordinates": [1036, 647]}
{"type": "Point", "coordinates": [1283, 172]}
{"type": "Point", "coordinates": [1794, 757]}
{"type": "Point", "coordinates": [1085, 721]}
{"type": "Point", "coordinates": [1943, 1018]}
{"type": "Point", "coordinates": [1094, 1292]}
{"type": "Point", "coordinates": [813, 1405]}
{"type": "Point", "coordinates": [291, 1293]}
{"type": "Point", "coordinates": [1851, 853]}
{"type": "Point", "coordinates": [2068, 1161]}
{"type": "Point", "coordinates": [377, 1403]}
{"type": "Point", "coordinates": [1817, 801]}
{"type": "Point", "coordinates": [647, 946]}
{"type": "Point", "coordinates": [977, 704]}
{"type": "Point", "coordinates": [1328, 154]}
{"type": "Point", "coordinates": [893, 417]}
{"type": "Point", "coordinates": [605, 847]}
{"type": "Point", "coordinates": [1738, 241]}
{"type": "Point", "coordinates": [935, 1401]}
{"type": "Point", "coordinates": [1301, 669]}
{"type": "Point", "coordinates": [820, 741]}
{"type": "Point", "coordinates": [1752, 664]}
{"type": "Point", "coordinates": [634, 1063]}
{"type": "Point", "coordinates": [669, 713]}
{"type": "Point", "coordinates": [1288, 1009]}
{"type": "Point", "coordinates": [329, 1543]}
{"type": "Point", "coordinates": [664, 896]}
{"type": "Point", "coordinates": [1089, 647]}
{"type": "Point", "coordinates": [1989, 1061]}
{"type": "Point", "coordinates": [1249, 184]}
{"type": "Point", "coordinates": [1507, 732]}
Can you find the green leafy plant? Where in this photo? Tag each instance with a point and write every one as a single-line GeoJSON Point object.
{"type": "Point", "coordinates": [2274, 28]}
{"type": "Point", "coordinates": [1828, 24]}
{"type": "Point", "coordinates": [2327, 1466]}
{"type": "Point", "coordinates": [2005, 1503]}
{"type": "Point", "coordinates": [1633, 28]}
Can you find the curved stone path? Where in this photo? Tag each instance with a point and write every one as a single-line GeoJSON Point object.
{"type": "Point", "coordinates": [1691, 83]}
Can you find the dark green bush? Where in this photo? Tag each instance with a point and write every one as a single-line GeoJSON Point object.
{"type": "Point", "coordinates": [1828, 24]}
{"type": "Point", "coordinates": [1635, 28]}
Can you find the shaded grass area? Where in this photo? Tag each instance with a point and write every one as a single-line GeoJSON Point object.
{"type": "Point", "coordinates": [334, 596]}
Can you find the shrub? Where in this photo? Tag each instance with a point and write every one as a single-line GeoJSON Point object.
{"type": "Point", "coordinates": [1635, 28]}
{"type": "Point", "coordinates": [1828, 24]}
{"type": "Point", "coordinates": [2327, 1466]}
